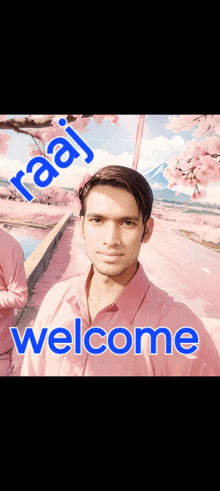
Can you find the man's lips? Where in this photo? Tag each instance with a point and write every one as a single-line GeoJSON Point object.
{"type": "Point", "coordinates": [109, 257]}
{"type": "Point", "coordinates": [110, 254]}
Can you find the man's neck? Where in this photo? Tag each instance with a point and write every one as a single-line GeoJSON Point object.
{"type": "Point", "coordinates": [103, 290]}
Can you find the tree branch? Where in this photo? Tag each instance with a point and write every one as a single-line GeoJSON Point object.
{"type": "Point", "coordinates": [17, 124]}
{"type": "Point", "coordinates": [199, 117]}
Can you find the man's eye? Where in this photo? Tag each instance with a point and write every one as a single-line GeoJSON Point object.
{"type": "Point", "coordinates": [96, 220]}
{"type": "Point", "coordinates": [129, 223]}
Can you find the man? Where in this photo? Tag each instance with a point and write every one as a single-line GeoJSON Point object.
{"type": "Point", "coordinates": [13, 294]}
{"type": "Point", "coordinates": [115, 220]}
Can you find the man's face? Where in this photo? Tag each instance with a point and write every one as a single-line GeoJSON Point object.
{"type": "Point", "coordinates": [113, 229]}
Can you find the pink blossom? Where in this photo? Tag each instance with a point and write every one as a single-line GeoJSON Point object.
{"type": "Point", "coordinates": [217, 130]}
{"type": "Point", "coordinates": [55, 195]}
{"type": "Point", "coordinates": [201, 156]}
{"type": "Point", "coordinates": [213, 143]}
{"type": "Point", "coordinates": [2, 117]}
{"type": "Point", "coordinates": [203, 182]}
{"type": "Point", "coordinates": [177, 174]}
{"type": "Point", "coordinates": [172, 185]}
{"type": "Point", "coordinates": [80, 124]}
{"type": "Point", "coordinates": [185, 181]}
{"type": "Point", "coordinates": [192, 183]}
{"type": "Point", "coordinates": [114, 119]}
{"type": "Point", "coordinates": [37, 134]}
{"type": "Point", "coordinates": [172, 163]}
{"type": "Point", "coordinates": [202, 175]}
{"type": "Point", "coordinates": [4, 191]}
{"type": "Point", "coordinates": [207, 161]}
{"type": "Point", "coordinates": [98, 118]}
{"type": "Point", "coordinates": [216, 173]}
{"type": "Point", "coordinates": [179, 123]}
{"type": "Point", "coordinates": [195, 161]}
{"type": "Point", "coordinates": [183, 165]}
{"type": "Point", "coordinates": [204, 123]}
{"type": "Point", "coordinates": [86, 178]}
{"type": "Point", "coordinates": [34, 151]}
{"type": "Point", "coordinates": [193, 197]}
{"type": "Point", "coordinates": [203, 193]}
{"type": "Point", "coordinates": [3, 145]}
{"type": "Point", "coordinates": [168, 172]}
{"type": "Point", "coordinates": [51, 132]}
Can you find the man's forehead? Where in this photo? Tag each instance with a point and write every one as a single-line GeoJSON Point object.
{"type": "Point", "coordinates": [134, 218]}
{"type": "Point", "coordinates": [102, 195]}
{"type": "Point", "coordinates": [112, 203]}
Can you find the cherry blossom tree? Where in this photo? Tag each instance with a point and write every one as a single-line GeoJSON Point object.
{"type": "Point", "coordinates": [42, 128]}
{"type": "Point", "coordinates": [10, 193]}
{"type": "Point", "coordinates": [4, 193]}
{"type": "Point", "coordinates": [199, 164]}
{"type": "Point", "coordinates": [54, 195]}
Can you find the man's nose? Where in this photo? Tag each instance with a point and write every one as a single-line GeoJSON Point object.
{"type": "Point", "coordinates": [111, 236]}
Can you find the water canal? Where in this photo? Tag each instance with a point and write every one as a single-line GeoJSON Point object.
{"type": "Point", "coordinates": [28, 237]}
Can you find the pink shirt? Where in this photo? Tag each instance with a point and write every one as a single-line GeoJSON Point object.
{"type": "Point", "coordinates": [13, 286]}
{"type": "Point", "coordinates": [140, 304]}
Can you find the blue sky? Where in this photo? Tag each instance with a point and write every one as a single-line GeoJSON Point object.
{"type": "Point", "coordinates": [111, 144]}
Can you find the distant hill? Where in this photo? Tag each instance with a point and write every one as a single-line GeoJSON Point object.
{"type": "Point", "coordinates": [5, 183]}
{"type": "Point", "coordinates": [168, 194]}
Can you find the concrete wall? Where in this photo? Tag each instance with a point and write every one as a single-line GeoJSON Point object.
{"type": "Point", "coordinates": [38, 261]}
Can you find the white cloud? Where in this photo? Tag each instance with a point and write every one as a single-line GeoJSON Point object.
{"type": "Point", "coordinates": [9, 167]}
{"type": "Point", "coordinates": [156, 186]}
{"type": "Point", "coordinates": [213, 195]}
{"type": "Point", "coordinates": [161, 144]}
{"type": "Point", "coordinates": [144, 163]}
{"type": "Point", "coordinates": [73, 175]}
{"type": "Point", "coordinates": [103, 158]}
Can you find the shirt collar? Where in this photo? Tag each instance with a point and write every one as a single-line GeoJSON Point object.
{"type": "Point", "coordinates": [77, 293]}
{"type": "Point", "coordinates": [127, 302]}
{"type": "Point", "coordinates": [130, 298]}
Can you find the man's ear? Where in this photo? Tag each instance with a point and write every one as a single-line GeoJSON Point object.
{"type": "Point", "coordinates": [149, 227]}
{"type": "Point", "coordinates": [81, 227]}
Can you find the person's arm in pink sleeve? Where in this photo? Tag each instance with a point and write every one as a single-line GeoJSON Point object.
{"type": "Point", "coordinates": [16, 294]}
{"type": "Point", "coordinates": [35, 364]}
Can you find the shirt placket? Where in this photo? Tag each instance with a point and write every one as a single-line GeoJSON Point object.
{"type": "Point", "coordinates": [77, 364]}
{"type": "Point", "coordinates": [100, 320]}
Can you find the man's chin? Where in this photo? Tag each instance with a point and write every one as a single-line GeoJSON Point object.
{"type": "Point", "coordinates": [109, 270]}
{"type": "Point", "coordinates": [113, 270]}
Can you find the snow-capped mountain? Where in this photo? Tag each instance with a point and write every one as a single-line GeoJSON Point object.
{"type": "Point", "coordinates": [155, 175]}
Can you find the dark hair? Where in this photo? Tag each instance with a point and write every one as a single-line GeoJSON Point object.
{"type": "Point", "coordinates": [125, 178]}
